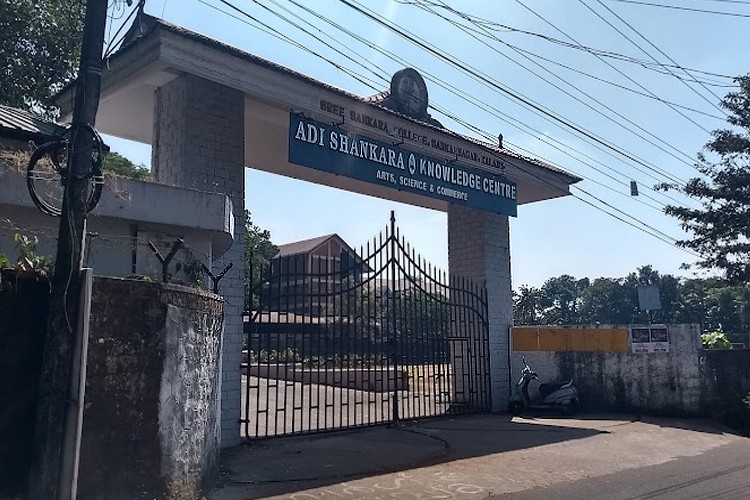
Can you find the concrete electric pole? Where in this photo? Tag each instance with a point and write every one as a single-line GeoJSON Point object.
{"type": "Point", "coordinates": [54, 448]}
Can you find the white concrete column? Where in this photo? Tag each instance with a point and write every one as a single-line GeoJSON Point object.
{"type": "Point", "coordinates": [199, 142]}
{"type": "Point", "coordinates": [479, 250]}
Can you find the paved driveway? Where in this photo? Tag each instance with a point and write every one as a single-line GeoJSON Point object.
{"type": "Point", "coordinates": [492, 455]}
{"type": "Point", "coordinates": [279, 407]}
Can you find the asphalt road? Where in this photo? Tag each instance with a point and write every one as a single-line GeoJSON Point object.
{"type": "Point", "coordinates": [719, 474]}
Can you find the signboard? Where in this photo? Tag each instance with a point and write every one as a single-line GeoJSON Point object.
{"type": "Point", "coordinates": [331, 149]}
{"type": "Point", "coordinates": [649, 339]}
{"type": "Point", "coordinates": [648, 298]}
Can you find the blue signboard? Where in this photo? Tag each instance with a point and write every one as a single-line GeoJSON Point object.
{"type": "Point", "coordinates": [331, 149]}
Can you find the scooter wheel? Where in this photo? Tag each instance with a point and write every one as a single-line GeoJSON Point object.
{"type": "Point", "coordinates": [515, 408]}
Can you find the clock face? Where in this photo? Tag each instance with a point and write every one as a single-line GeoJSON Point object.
{"type": "Point", "coordinates": [411, 92]}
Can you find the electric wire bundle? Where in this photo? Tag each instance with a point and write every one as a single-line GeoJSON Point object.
{"type": "Point", "coordinates": [57, 151]}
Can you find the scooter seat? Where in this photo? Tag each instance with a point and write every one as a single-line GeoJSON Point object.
{"type": "Point", "coordinates": [548, 388]}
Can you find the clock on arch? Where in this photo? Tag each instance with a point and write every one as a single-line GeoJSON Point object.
{"type": "Point", "coordinates": [410, 92]}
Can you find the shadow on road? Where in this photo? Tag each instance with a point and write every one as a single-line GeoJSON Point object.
{"type": "Point", "coordinates": [288, 464]}
{"type": "Point", "coordinates": [666, 421]}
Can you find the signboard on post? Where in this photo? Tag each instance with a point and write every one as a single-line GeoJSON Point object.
{"type": "Point", "coordinates": [648, 298]}
{"type": "Point", "coordinates": [331, 149]}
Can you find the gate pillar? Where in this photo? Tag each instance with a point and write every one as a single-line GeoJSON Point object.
{"type": "Point", "coordinates": [479, 250]}
{"type": "Point", "coordinates": [199, 142]}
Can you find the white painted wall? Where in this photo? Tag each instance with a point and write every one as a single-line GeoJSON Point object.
{"type": "Point", "coordinates": [656, 382]}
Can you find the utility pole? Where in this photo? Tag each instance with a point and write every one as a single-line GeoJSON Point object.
{"type": "Point", "coordinates": [52, 439]}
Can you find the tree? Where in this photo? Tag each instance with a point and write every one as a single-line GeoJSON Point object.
{"type": "Point", "coordinates": [526, 306]}
{"type": "Point", "coordinates": [119, 165]}
{"type": "Point", "coordinates": [721, 226]}
{"type": "Point", "coordinates": [560, 299]}
{"type": "Point", "coordinates": [40, 44]}
{"type": "Point", "coordinates": [259, 250]}
{"type": "Point", "coordinates": [607, 301]}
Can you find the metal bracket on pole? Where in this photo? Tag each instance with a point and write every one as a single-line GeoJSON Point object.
{"type": "Point", "coordinates": [179, 243]}
{"type": "Point", "coordinates": [216, 279]}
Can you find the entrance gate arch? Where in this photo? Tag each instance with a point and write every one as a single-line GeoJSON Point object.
{"type": "Point", "coordinates": [209, 110]}
{"type": "Point", "coordinates": [364, 338]}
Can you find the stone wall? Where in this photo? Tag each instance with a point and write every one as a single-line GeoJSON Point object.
{"type": "Point", "coordinates": [659, 383]}
{"type": "Point", "coordinates": [151, 426]}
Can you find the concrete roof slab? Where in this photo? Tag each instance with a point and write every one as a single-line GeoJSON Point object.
{"type": "Point", "coordinates": [158, 52]}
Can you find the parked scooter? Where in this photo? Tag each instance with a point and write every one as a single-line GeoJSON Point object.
{"type": "Point", "coordinates": [561, 396]}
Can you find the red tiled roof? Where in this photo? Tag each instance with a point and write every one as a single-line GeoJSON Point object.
{"type": "Point", "coordinates": [304, 246]}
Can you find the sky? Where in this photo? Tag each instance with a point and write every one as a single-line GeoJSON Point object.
{"type": "Point", "coordinates": [558, 54]}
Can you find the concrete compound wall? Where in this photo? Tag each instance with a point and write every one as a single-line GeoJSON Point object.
{"type": "Point", "coordinates": [151, 425]}
{"type": "Point", "coordinates": [199, 143]}
{"type": "Point", "coordinates": [664, 383]}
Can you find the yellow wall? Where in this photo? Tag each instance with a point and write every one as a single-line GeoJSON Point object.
{"type": "Point", "coordinates": [559, 338]}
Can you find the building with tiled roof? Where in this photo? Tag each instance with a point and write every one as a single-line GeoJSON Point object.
{"type": "Point", "coordinates": [19, 127]}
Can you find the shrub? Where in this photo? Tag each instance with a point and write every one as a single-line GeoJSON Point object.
{"type": "Point", "coordinates": [715, 340]}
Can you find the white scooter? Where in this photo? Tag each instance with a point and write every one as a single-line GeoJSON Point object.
{"type": "Point", "coordinates": [561, 396]}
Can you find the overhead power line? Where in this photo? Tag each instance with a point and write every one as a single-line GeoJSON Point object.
{"type": "Point", "coordinates": [634, 222]}
{"type": "Point", "coordinates": [499, 27]}
{"type": "Point", "coordinates": [712, 103]}
{"type": "Point", "coordinates": [628, 77]}
{"type": "Point", "coordinates": [113, 42]}
{"type": "Point", "coordinates": [484, 106]}
{"type": "Point", "coordinates": [613, 84]}
{"type": "Point", "coordinates": [678, 7]}
{"type": "Point", "coordinates": [615, 212]}
{"type": "Point", "coordinates": [483, 78]}
{"type": "Point", "coordinates": [683, 158]}
{"type": "Point", "coordinates": [560, 146]}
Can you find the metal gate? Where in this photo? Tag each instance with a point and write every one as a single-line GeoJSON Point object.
{"type": "Point", "coordinates": [361, 338]}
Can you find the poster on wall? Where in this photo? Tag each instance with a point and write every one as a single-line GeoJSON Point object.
{"type": "Point", "coordinates": [649, 339]}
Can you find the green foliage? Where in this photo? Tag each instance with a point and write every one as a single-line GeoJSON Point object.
{"type": "Point", "coordinates": [609, 301]}
{"type": "Point", "coordinates": [715, 340]}
{"type": "Point", "coordinates": [29, 259]}
{"type": "Point", "coordinates": [719, 227]}
{"type": "Point", "coordinates": [4, 261]}
{"type": "Point", "coordinates": [140, 277]}
{"type": "Point", "coordinates": [290, 355]}
{"type": "Point", "coordinates": [192, 270]}
{"type": "Point", "coordinates": [526, 309]}
{"type": "Point", "coordinates": [39, 50]}
{"type": "Point", "coordinates": [559, 299]}
{"type": "Point", "coordinates": [119, 165]}
{"type": "Point", "coordinates": [713, 303]}
{"type": "Point", "coordinates": [259, 250]}
{"type": "Point", "coordinates": [287, 355]}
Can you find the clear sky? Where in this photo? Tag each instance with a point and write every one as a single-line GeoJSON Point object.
{"type": "Point", "coordinates": [502, 42]}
